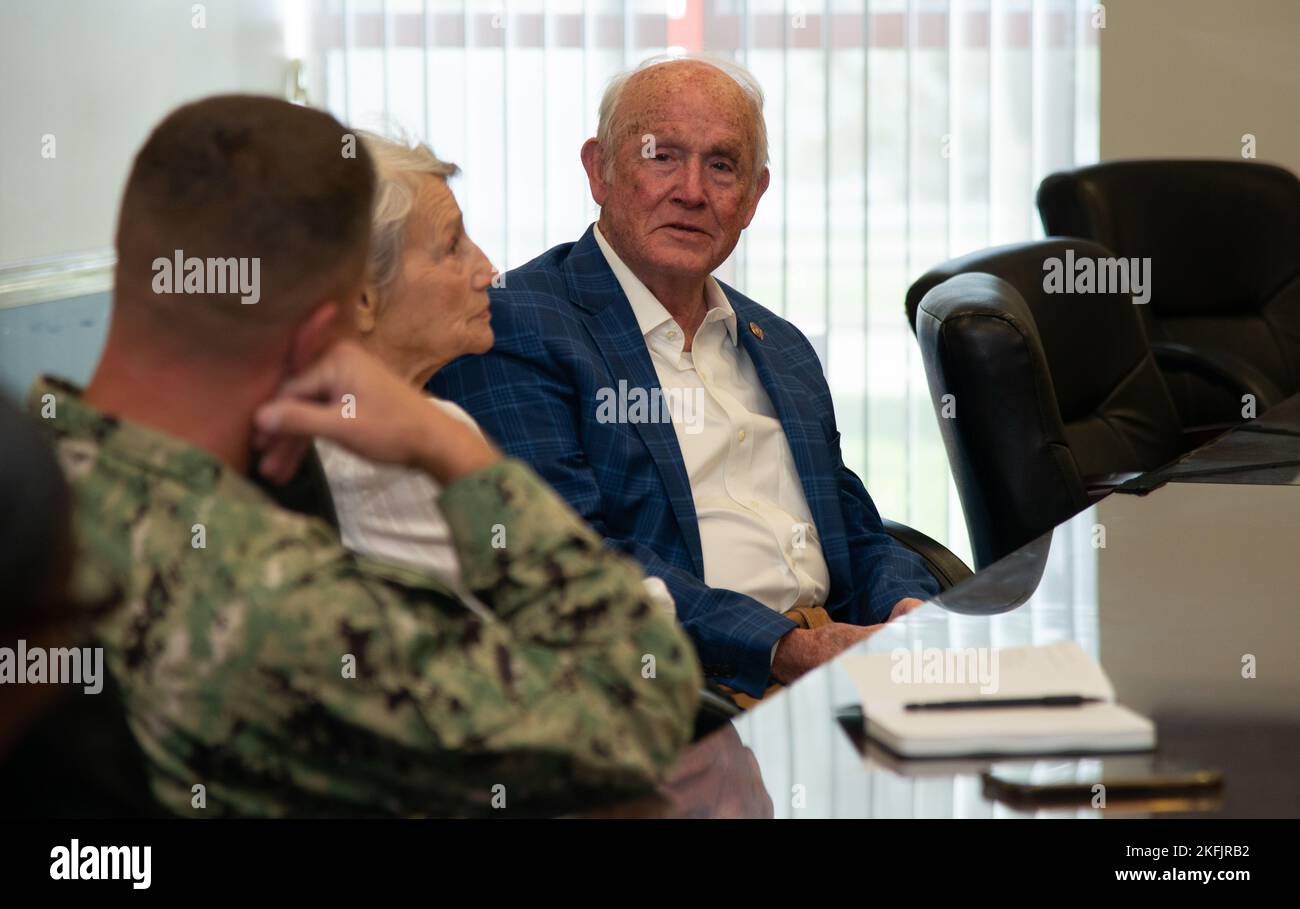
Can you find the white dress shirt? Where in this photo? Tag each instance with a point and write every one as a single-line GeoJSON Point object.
{"type": "Point", "coordinates": [756, 530]}
{"type": "Point", "coordinates": [391, 512]}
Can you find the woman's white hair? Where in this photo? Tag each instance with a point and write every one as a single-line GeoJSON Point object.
{"type": "Point", "coordinates": [611, 123]}
{"type": "Point", "coordinates": [399, 166]}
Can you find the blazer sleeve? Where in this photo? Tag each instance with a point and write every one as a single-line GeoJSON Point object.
{"type": "Point", "coordinates": [522, 396]}
{"type": "Point", "coordinates": [884, 571]}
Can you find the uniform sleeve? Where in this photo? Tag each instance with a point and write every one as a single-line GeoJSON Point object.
{"type": "Point", "coordinates": [574, 685]}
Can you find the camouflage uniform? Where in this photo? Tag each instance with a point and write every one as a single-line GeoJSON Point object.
{"type": "Point", "coordinates": [232, 657]}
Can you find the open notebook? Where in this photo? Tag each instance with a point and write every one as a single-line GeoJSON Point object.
{"type": "Point", "coordinates": [885, 685]}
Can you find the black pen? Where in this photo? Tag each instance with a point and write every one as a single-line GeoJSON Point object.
{"type": "Point", "coordinates": [1054, 700]}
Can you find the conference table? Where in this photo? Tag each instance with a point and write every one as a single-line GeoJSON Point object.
{"type": "Point", "coordinates": [1187, 593]}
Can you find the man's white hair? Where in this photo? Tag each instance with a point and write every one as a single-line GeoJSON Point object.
{"type": "Point", "coordinates": [609, 127]}
{"type": "Point", "coordinates": [399, 166]}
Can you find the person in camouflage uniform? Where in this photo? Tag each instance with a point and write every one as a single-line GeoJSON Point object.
{"type": "Point", "coordinates": [266, 671]}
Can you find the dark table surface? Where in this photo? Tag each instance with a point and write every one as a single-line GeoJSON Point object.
{"type": "Point", "coordinates": [1172, 592]}
{"type": "Point", "coordinates": [1264, 451]}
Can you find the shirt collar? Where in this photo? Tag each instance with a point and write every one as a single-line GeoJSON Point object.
{"type": "Point", "coordinates": [650, 313]}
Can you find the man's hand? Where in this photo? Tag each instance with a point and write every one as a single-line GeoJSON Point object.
{"type": "Point", "coordinates": [385, 420]}
{"type": "Point", "coordinates": [804, 649]}
{"type": "Point", "coordinates": [807, 648]}
{"type": "Point", "coordinates": [903, 607]}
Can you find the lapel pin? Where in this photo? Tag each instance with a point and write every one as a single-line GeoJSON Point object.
{"type": "Point", "coordinates": [758, 332]}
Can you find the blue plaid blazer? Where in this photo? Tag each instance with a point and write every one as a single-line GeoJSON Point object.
{"type": "Point", "coordinates": [564, 329]}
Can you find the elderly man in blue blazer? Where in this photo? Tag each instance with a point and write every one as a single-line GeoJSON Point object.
{"type": "Point", "coordinates": [690, 426]}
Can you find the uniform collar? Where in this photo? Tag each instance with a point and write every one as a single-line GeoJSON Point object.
{"type": "Point", "coordinates": [86, 435]}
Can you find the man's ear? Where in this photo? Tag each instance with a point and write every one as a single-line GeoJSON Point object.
{"type": "Point", "coordinates": [317, 333]}
{"type": "Point", "coordinates": [593, 162]}
{"type": "Point", "coordinates": [763, 180]}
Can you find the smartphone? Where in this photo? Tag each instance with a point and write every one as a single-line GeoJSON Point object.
{"type": "Point", "coordinates": [1124, 777]}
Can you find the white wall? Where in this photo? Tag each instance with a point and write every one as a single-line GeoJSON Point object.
{"type": "Point", "coordinates": [98, 75]}
{"type": "Point", "coordinates": [1187, 78]}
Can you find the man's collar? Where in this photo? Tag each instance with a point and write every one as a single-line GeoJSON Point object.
{"type": "Point", "coordinates": [649, 312]}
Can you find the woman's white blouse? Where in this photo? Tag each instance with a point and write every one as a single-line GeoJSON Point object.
{"type": "Point", "coordinates": [391, 512]}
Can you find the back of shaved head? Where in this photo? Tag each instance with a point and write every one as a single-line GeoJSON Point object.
{"type": "Point", "coordinates": [233, 179]}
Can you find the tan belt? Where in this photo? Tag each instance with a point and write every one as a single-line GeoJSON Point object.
{"type": "Point", "coordinates": [806, 617]}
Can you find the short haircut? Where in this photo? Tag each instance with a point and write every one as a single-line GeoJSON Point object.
{"type": "Point", "coordinates": [399, 166]}
{"type": "Point", "coordinates": [611, 121]}
{"type": "Point", "coordinates": [237, 178]}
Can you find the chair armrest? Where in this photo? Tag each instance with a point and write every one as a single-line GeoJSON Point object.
{"type": "Point", "coordinates": [1215, 364]}
{"type": "Point", "coordinates": [947, 569]}
{"type": "Point", "coordinates": [715, 711]}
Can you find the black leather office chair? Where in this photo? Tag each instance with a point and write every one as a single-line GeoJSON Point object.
{"type": "Point", "coordinates": [1224, 242]}
{"type": "Point", "coordinates": [1052, 393]}
{"type": "Point", "coordinates": [716, 707]}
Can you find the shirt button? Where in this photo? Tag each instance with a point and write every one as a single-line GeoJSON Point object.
{"type": "Point", "coordinates": [741, 435]}
{"type": "Point", "coordinates": [672, 336]}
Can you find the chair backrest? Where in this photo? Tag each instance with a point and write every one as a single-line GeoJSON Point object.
{"type": "Point", "coordinates": [1046, 388]}
{"type": "Point", "coordinates": [1223, 238]}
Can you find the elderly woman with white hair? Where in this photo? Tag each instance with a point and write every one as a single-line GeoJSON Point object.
{"type": "Point", "coordinates": [425, 303]}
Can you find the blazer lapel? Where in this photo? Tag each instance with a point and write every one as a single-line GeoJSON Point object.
{"type": "Point", "coordinates": [609, 318]}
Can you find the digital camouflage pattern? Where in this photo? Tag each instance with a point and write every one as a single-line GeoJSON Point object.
{"type": "Point", "coordinates": [232, 657]}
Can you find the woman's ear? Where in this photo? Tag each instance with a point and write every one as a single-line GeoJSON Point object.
{"type": "Point", "coordinates": [366, 310]}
